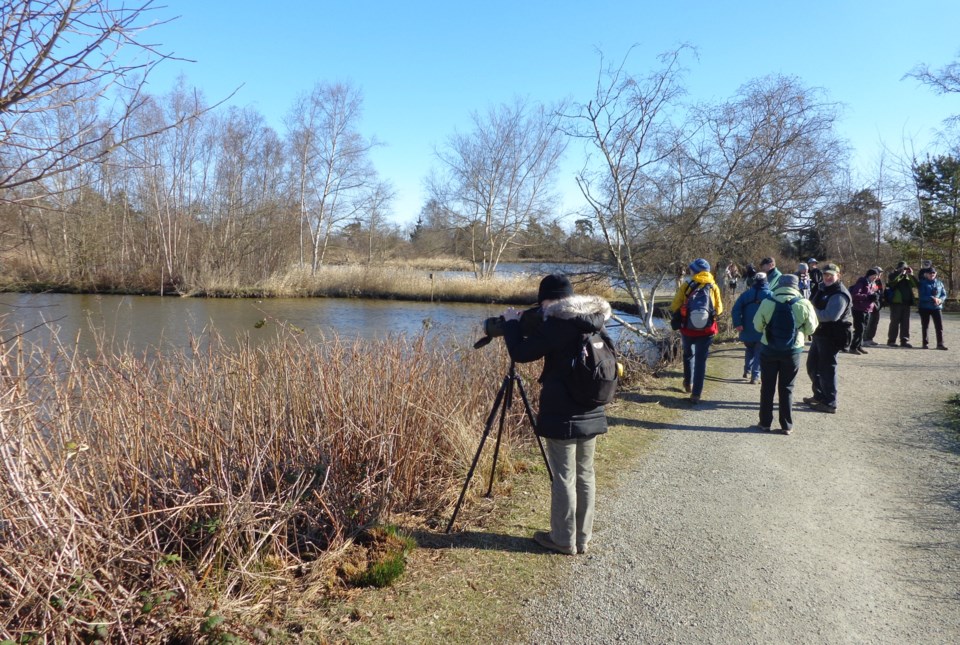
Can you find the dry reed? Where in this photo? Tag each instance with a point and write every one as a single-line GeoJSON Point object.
{"type": "Point", "coordinates": [138, 493]}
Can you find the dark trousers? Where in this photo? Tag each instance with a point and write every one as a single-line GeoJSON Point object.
{"type": "Point", "coordinates": [822, 369]}
{"type": "Point", "coordinates": [695, 350]}
{"type": "Point", "coordinates": [778, 374]}
{"type": "Point", "coordinates": [899, 324]}
{"type": "Point", "coordinates": [926, 315]}
{"type": "Point", "coordinates": [871, 331]}
{"type": "Point", "coordinates": [861, 319]}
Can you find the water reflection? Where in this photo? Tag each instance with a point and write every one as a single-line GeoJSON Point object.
{"type": "Point", "coordinates": [149, 322]}
{"type": "Point", "coordinates": [141, 323]}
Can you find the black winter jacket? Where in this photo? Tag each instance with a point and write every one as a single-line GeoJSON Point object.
{"type": "Point", "coordinates": [557, 341]}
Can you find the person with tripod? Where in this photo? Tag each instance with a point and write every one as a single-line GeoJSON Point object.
{"type": "Point", "coordinates": [569, 428]}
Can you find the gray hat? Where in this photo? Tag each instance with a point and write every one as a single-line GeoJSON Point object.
{"type": "Point", "coordinates": [788, 280]}
{"type": "Point", "coordinates": [802, 267]}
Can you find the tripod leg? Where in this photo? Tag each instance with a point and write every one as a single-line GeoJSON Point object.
{"type": "Point", "coordinates": [476, 457]}
{"type": "Point", "coordinates": [507, 402]}
{"type": "Point", "coordinates": [533, 424]}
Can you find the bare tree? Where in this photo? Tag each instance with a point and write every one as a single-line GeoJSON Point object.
{"type": "Point", "coordinates": [497, 178]}
{"type": "Point", "coordinates": [67, 54]}
{"type": "Point", "coordinates": [330, 162]}
{"type": "Point", "coordinates": [670, 182]}
{"type": "Point", "coordinates": [627, 126]}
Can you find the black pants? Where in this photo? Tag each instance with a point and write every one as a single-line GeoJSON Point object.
{"type": "Point", "coordinates": [899, 324]}
{"type": "Point", "coordinates": [822, 369]}
{"type": "Point", "coordinates": [861, 320]}
{"type": "Point", "coordinates": [778, 374]}
{"type": "Point", "coordinates": [926, 315]}
{"type": "Point", "coordinates": [872, 327]}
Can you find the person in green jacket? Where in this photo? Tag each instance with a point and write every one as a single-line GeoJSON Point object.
{"type": "Point", "coordinates": [901, 285]}
{"type": "Point", "coordinates": [780, 355]}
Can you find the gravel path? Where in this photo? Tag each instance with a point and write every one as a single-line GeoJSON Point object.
{"type": "Point", "coordinates": [845, 531]}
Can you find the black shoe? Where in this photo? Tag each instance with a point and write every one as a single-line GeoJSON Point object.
{"type": "Point", "coordinates": [907, 345]}
{"type": "Point", "coordinates": [811, 400]}
{"type": "Point", "coordinates": [942, 346]}
{"type": "Point", "coordinates": [861, 350]}
{"type": "Point", "coordinates": [926, 346]}
{"type": "Point", "coordinates": [891, 344]}
{"type": "Point", "coordinates": [823, 407]}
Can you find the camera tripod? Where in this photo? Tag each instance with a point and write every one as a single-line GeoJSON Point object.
{"type": "Point", "coordinates": [502, 403]}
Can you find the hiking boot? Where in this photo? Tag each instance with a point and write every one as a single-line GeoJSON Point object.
{"type": "Point", "coordinates": [786, 431]}
{"type": "Point", "coordinates": [687, 388]}
{"type": "Point", "coordinates": [942, 346]}
{"type": "Point", "coordinates": [891, 344]}
{"type": "Point", "coordinates": [694, 398]}
{"type": "Point", "coordinates": [753, 380]}
{"type": "Point", "coordinates": [811, 400]}
{"type": "Point", "coordinates": [907, 345]}
{"type": "Point", "coordinates": [543, 539]}
{"type": "Point", "coordinates": [870, 343]}
{"type": "Point", "coordinates": [861, 350]}
{"type": "Point", "coordinates": [926, 346]}
{"type": "Point", "coordinates": [744, 375]}
{"type": "Point", "coordinates": [823, 407]}
{"type": "Point", "coordinates": [762, 428]}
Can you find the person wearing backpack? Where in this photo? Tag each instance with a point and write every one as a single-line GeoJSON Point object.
{"type": "Point", "coordinates": [834, 332]}
{"type": "Point", "coordinates": [783, 321]}
{"type": "Point", "coordinates": [744, 309]}
{"type": "Point", "coordinates": [569, 427]}
{"type": "Point", "coordinates": [699, 303]}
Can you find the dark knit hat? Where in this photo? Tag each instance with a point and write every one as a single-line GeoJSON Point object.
{"type": "Point", "coordinates": [788, 280]}
{"type": "Point", "coordinates": [766, 261]}
{"type": "Point", "coordinates": [554, 287]}
{"type": "Point", "coordinates": [699, 265]}
{"type": "Point", "coordinates": [872, 272]}
{"type": "Point", "coordinates": [759, 278]}
{"type": "Point", "coordinates": [901, 265]}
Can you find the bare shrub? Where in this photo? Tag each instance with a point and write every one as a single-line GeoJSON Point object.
{"type": "Point", "coordinates": [136, 492]}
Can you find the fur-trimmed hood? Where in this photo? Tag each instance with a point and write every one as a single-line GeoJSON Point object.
{"type": "Point", "coordinates": [589, 312]}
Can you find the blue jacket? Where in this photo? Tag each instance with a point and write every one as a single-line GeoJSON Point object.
{"type": "Point", "coordinates": [930, 289]}
{"type": "Point", "coordinates": [745, 308]}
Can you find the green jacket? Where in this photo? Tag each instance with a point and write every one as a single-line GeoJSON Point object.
{"type": "Point", "coordinates": [902, 284]}
{"type": "Point", "coordinates": [804, 315]}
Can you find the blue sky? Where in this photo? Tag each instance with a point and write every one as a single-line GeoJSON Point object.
{"type": "Point", "coordinates": [424, 66]}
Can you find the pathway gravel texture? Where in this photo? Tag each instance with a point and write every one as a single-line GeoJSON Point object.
{"type": "Point", "coordinates": [846, 531]}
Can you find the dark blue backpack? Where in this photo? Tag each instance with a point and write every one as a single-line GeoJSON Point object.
{"type": "Point", "coordinates": [781, 331]}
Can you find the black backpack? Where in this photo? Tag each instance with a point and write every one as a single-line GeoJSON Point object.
{"type": "Point", "coordinates": [781, 331]}
{"type": "Point", "coordinates": [592, 380]}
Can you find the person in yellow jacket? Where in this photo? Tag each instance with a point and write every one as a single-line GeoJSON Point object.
{"type": "Point", "coordinates": [697, 304]}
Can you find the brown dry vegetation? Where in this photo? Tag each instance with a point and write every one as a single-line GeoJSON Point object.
{"type": "Point", "coordinates": [219, 492]}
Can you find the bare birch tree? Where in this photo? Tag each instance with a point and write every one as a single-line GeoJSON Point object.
{"type": "Point", "coordinates": [330, 163]}
{"type": "Point", "coordinates": [497, 178]}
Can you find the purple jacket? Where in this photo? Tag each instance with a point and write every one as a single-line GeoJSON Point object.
{"type": "Point", "coordinates": [862, 294]}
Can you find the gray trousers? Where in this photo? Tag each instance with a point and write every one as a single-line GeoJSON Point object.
{"type": "Point", "coordinates": [573, 491]}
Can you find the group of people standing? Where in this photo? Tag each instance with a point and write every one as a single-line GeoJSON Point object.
{"type": "Point", "coordinates": [779, 313]}
{"type": "Point", "coordinates": [775, 317]}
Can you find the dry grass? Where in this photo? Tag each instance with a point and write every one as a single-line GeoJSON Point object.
{"type": "Point", "coordinates": [209, 494]}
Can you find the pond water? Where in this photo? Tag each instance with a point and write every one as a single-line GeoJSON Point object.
{"type": "Point", "coordinates": [143, 323]}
